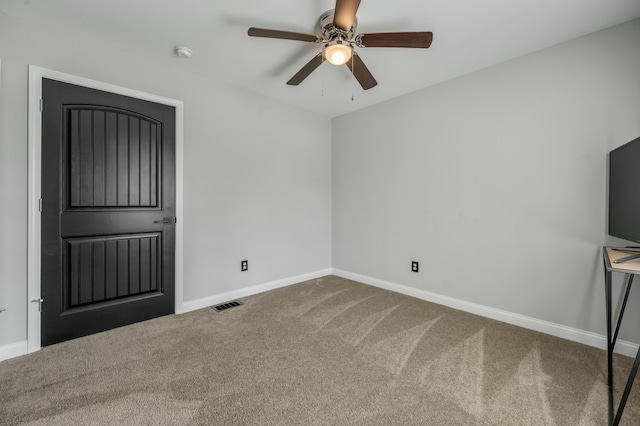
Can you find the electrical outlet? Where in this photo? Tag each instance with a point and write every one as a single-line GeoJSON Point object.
{"type": "Point", "coordinates": [414, 266]}
{"type": "Point", "coordinates": [244, 265]}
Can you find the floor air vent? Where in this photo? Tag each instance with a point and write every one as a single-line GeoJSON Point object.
{"type": "Point", "coordinates": [227, 305]}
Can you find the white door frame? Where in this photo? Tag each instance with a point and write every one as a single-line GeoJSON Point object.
{"type": "Point", "coordinates": [36, 74]}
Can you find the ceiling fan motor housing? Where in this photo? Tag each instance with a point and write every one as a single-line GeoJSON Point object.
{"type": "Point", "coordinates": [330, 32]}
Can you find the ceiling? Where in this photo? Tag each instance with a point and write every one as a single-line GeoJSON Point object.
{"type": "Point", "coordinates": [468, 35]}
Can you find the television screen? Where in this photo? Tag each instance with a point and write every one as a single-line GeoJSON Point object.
{"type": "Point", "coordinates": [624, 191]}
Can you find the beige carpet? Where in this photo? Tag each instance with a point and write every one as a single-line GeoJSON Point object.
{"type": "Point", "coordinates": [324, 352]}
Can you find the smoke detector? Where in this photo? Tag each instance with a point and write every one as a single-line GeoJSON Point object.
{"type": "Point", "coordinates": [182, 51]}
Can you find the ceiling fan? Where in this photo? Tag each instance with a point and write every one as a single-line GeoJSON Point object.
{"type": "Point", "coordinates": [338, 28]}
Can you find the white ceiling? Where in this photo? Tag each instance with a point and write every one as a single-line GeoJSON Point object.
{"type": "Point", "coordinates": [468, 35]}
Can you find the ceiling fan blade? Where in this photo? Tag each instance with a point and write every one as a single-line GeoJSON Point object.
{"type": "Point", "coordinates": [361, 72]}
{"type": "Point", "coordinates": [306, 70]}
{"type": "Point", "coordinates": [345, 13]}
{"type": "Point", "coordinates": [286, 35]}
{"type": "Point", "coordinates": [409, 39]}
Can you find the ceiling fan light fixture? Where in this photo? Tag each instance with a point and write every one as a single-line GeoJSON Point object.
{"type": "Point", "coordinates": [338, 52]}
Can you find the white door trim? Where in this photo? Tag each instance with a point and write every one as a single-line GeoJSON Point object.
{"type": "Point", "coordinates": [36, 74]}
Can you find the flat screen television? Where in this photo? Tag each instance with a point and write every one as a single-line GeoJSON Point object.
{"type": "Point", "coordinates": [624, 191]}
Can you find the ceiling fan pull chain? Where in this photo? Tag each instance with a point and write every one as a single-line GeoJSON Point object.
{"type": "Point", "coordinates": [353, 73]}
{"type": "Point", "coordinates": [323, 72]}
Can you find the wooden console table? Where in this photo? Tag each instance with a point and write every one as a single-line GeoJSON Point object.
{"type": "Point", "coordinates": [631, 268]}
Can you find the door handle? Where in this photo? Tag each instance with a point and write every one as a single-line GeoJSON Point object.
{"type": "Point", "coordinates": [166, 220]}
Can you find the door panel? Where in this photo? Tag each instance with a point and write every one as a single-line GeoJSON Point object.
{"type": "Point", "coordinates": [108, 187]}
{"type": "Point", "coordinates": [119, 166]}
{"type": "Point", "coordinates": [104, 268]}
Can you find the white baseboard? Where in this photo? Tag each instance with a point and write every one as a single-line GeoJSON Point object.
{"type": "Point", "coordinates": [13, 350]}
{"type": "Point", "coordinates": [249, 291]}
{"type": "Point", "coordinates": [581, 336]}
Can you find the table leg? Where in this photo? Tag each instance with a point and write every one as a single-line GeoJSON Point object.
{"type": "Point", "coordinates": [607, 290]}
{"type": "Point", "coordinates": [627, 388]}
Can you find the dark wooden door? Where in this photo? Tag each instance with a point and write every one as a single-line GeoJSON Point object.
{"type": "Point", "coordinates": [108, 211]}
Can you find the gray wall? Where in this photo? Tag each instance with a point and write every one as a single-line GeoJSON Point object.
{"type": "Point", "coordinates": [257, 173]}
{"type": "Point", "coordinates": [496, 181]}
